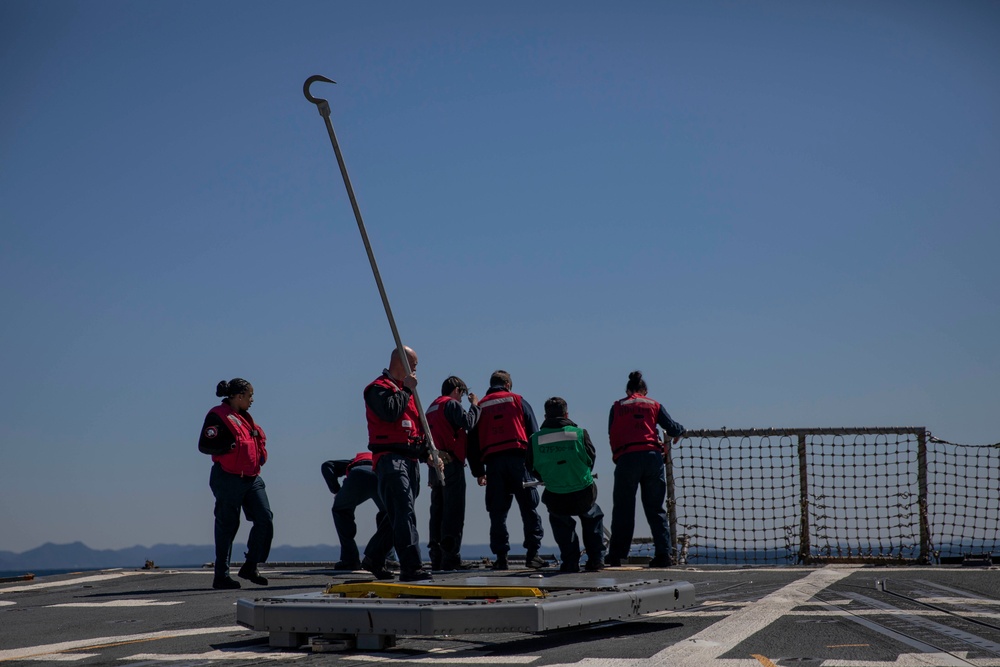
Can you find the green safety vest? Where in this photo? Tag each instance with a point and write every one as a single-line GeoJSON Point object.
{"type": "Point", "coordinates": [561, 459]}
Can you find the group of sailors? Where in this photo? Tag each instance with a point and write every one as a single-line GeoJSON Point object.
{"type": "Point", "coordinates": [498, 438]}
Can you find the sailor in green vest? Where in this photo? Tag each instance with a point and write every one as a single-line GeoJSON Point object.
{"type": "Point", "coordinates": [562, 456]}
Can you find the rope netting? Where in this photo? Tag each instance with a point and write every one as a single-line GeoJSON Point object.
{"type": "Point", "coordinates": [964, 498]}
{"type": "Point", "coordinates": [864, 495]}
{"type": "Point", "coordinates": [735, 499]}
{"type": "Point", "coordinates": [783, 496]}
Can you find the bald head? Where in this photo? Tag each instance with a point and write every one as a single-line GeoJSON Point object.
{"type": "Point", "coordinates": [397, 368]}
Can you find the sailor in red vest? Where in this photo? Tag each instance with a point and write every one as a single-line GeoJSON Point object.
{"type": "Point", "coordinates": [237, 446]}
{"type": "Point", "coordinates": [497, 448]}
{"type": "Point", "coordinates": [638, 455]}
{"type": "Point", "coordinates": [396, 440]}
{"type": "Point", "coordinates": [360, 485]}
{"type": "Point", "coordinates": [450, 424]}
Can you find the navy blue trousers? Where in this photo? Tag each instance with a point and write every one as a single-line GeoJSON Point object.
{"type": "Point", "coordinates": [232, 494]}
{"type": "Point", "coordinates": [564, 532]}
{"type": "Point", "coordinates": [444, 535]}
{"type": "Point", "coordinates": [643, 471]}
{"type": "Point", "coordinates": [505, 476]}
{"type": "Point", "coordinates": [360, 485]}
{"type": "Point", "coordinates": [399, 486]}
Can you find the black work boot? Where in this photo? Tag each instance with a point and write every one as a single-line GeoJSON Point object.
{"type": "Point", "coordinates": [501, 562]}
{"type": "Point", "coordinates": [347, 565]}
{"type": "Point", "coordinates": [533, 561]}
{"type": "Point", "coordinates": [660, 561]}
{"type": "Point", "coordinates": [377, 569]}
{"type": "Point", "coordinates": [416, 575]}
{"type": "Point", "coordinates": [250, 573]}
{"type": "Point", "coordinates": [225, 584]}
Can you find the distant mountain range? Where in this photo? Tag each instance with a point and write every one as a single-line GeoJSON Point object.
{"type": "Point", "coordinates": [78, 555]}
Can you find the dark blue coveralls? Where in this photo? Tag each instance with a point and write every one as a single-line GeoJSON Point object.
{"type": "Point", "coordinates": [643, 471]}
{"type": "Point", "coordinates": [447, 512]}
{"type": "Point", "coordinates": [506, 473]}
{"type": "Point", "coordinates": [398, 472]}
{"type": "Point", "coordinates": [360, 485]}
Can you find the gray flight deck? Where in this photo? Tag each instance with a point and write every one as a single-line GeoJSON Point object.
{"type": "Point", "coordinates": [832, 616]}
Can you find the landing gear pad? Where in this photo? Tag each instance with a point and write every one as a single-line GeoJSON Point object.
{"type": "Point", "coordinates": [375, 622]}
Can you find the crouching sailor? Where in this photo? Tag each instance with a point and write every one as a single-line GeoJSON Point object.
{"type": "Point", "coordinates": [562, 456]}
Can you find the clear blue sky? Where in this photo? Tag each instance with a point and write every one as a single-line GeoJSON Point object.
{"type": "Point", "coordinates": [786, 214]}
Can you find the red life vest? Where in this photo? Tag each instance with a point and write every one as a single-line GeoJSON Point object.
{"type": "Point", "coordinates": [447, 438]}
{"type": "Point", "coordinates": [363, 458]}
{"type": "Point", "coordinates": [382, 435]}
{"type": "Point", "coordinates": [501, 424]}
{"type": "Point", "coordinates": [633, 427]}
{"type": "Point", "coordinates": [250, 452]}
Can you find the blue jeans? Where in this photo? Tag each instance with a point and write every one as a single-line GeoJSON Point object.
{"type": "Point", "coordinates": [444, 535]}
{"type": "Point", "coordinates": [233, 493]}
{"type": "Point", "coordinates": [645, 471]}
{"type": "Point", "coordinates": [564, 532]}
{"type": "Point", "coordinates": [360, 485]}
{"type": "Point", "coordinates": [399, 486]}
{"type": "Point", "coordinates": [505, 475]}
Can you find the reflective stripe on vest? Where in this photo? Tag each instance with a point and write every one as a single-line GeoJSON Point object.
{"type": "Point", "coordinates": [501, 424]}
{"type": "Point", "coordinates": [560, 457]}
{"type": "Point", "coordinates": [633, 428]}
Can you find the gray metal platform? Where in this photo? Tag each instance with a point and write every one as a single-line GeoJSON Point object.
{"type": "Point", "coordinates": [374, 623]}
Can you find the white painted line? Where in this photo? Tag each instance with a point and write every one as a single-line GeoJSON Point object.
{"type": "Point", "coordinates": [6, 603]}
{"type": "Point", "coordinates": [941, 587]}
{"type": "Point", "coordinates": [918, 660]}
{"type": "Point", "coordinates": [117, 603]}
{"type": "Point", "coordinates": [68, 582]}
{"type": "Point", "coordinates": [957, 601]}
{"type": "Point", "coordinates": [920, 620]}
{"type": "Point", "coordinates": [218, 655]}
{"type": "Point", "coordinates": [30, 652]}
{"type": "Point", "coordinates": [722, 637]}
{"type": "Point", "coordinates": [63, 657]}
{"type": "Point", "coordinates": [468, 660]}
{"type": "Point", "coordinates": [708, 613]}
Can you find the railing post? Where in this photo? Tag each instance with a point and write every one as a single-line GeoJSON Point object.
{"type": "Point", "coordinates": [922, 499]}
{"type": "Point", "coordinates": [805, 549]}
{"type": "Point", "coordinates": [668, 455]}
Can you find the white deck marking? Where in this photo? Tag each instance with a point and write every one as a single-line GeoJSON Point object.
{"type": "Point", "coordinates": [467, 660]}
{"type": "Point", "coordinates": [719, 638]}
{"type": "Point", "coordinates": [31, 652]}
{"type": "Point", "coordinates": [270, 654]}
{"type": "Point", "coordinates": [921, 621]}
{"type": "Point", "coordinates": [63, 657]}
{"type": "Point", "coordinates": [929, 655]}
{"type": "Point", "coordinates": [919, 660]}
{"type": "Point", "coordinates": [69, 582]}
{"type": "Point", "coordinates": [957, 601]}
{"type": "Point", "coordinates": [118, 603]}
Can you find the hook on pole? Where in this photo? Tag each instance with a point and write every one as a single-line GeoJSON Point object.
{"type": "Point", "coordinates": [324, 106]}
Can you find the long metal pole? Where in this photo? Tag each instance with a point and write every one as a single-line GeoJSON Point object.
{"type": "Point", "coordinates": [324, 111]}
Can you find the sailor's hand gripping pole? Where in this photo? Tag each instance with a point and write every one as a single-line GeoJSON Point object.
{"type": "Point", "coordinates": [324, 111]}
